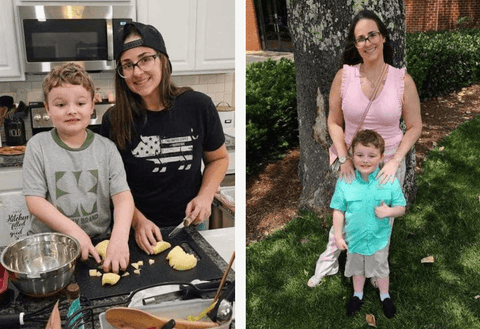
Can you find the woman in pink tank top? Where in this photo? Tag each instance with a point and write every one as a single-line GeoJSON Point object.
{"type": "Point", "coordinates": [366, 55]}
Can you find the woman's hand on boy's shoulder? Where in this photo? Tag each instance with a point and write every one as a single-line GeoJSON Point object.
{"type": "Point", "coordinates": [347, 171]}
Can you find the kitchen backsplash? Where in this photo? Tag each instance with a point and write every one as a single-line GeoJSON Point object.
{"type": "Point", "coordinates": [220, 87]}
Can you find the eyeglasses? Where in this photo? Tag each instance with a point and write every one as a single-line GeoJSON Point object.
{"type": "Point", "coordinates": [145, 64]}
{"type": "Point", "coordinates": [372, 37]}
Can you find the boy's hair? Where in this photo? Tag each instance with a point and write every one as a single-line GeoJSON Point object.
{"type": "Point", "coordinates": [369, 137]}
{"type": "Point", "coordinates": [68, 73]}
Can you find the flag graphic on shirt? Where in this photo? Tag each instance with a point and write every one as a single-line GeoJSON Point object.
{"type": "Point", "coordinates": [163, 151]}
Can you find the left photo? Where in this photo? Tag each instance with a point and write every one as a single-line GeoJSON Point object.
{"type": "Point", "coordinates": [117, 164]}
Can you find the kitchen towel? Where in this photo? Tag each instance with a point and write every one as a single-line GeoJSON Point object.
{"type": "Point", "coordinates": [15, 219]}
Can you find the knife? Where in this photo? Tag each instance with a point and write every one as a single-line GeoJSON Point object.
{"type": "Point", "coordinates": [185, 222]}
{"type": "Point", "coordinates": [187, 291]}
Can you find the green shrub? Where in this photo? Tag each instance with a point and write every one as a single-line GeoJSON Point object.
{"type": "Point", "coordinates": [271, 110]}
{"type": "Point", "coordinates": [440, 62]}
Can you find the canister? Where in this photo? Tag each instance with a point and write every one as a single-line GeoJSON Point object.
{"type": "Point", "coordinates": [15, 132]}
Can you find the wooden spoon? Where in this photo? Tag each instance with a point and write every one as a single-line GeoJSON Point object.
{"type": "Point", "coordinates": [54, 322]}
{"type": "Point", "coordinates": [131, 318]}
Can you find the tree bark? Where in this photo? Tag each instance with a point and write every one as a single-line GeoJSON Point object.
{"type": "Point", "coordinates": [319, 30]}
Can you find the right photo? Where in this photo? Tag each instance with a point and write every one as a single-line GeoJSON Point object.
{"type": "Point", "coordinates": [362, 135]}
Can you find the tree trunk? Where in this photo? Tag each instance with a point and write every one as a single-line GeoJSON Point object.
{"type": "Point", "coordinates": [319, 30]}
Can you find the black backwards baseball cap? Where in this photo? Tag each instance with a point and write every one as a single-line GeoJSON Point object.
{"type": "Point", "coordinates": [150, 37]}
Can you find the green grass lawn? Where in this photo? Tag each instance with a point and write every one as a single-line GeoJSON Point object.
{"type": "Point", "coordinates": [443, 222]}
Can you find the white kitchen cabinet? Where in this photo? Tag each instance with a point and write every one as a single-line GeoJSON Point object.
{"type": "Point", "coordinates": [10, 68]}
{"type": "Point", "coordinates": [199, 34]}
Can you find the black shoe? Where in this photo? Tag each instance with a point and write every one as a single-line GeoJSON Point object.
{"type": "Point", "coordinates": [388, 308]}
{"type": "Point", "coordinates": [354, 305]}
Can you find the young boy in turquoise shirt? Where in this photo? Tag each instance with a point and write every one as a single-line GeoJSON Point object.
{"type": "Point", "coordinates": [362, 210]}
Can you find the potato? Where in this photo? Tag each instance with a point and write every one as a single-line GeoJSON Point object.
{"type": "Point", "coordinates": [102, 248]}
{"type": "Point", "coordinates": [175, 251]}
{"type": "Point", "coordinates": [93, 273]}
{"type": "Point", "coordinates": [183, 262]}
{"type": "Point", "coordinates": [161, 246]}
{"type": "Point", "coordinates": [180, 260]}
{"type": "Point", "coordinates": [110, 278]}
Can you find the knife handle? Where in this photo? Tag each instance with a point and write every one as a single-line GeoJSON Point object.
{"type": "Point", "coordinates": [187, 221]}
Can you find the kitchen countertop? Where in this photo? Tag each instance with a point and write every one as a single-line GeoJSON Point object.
{"type": "Point", "coordinates": [222, 240]}
{"type": "Point", "coordinates": [218, 245]}
{"type": "Point", "coordinates": [11, 160]}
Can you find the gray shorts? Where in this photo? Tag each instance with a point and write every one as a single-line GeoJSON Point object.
{"type": "Point", "coordinates": [375, 265]}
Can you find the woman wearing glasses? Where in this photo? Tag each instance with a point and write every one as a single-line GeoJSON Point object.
{"type": "Point", "coordinates": [163, 133]}
{"type": "Point", "coordinates": [367, 54]}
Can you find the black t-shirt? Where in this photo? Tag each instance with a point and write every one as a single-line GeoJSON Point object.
{"type": "Point", "coordinates": [163, 161]}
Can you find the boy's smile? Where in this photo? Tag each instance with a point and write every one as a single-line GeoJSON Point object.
{"type": "Point", "coordinates": [70, 108]}
{"type": "Point", "coordinates": [366, 159]}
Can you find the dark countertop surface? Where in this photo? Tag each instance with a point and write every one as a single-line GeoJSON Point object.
{"type": "Point", "coordinates": [13, 302]}
{"type": "Point", "coordinates": [11, 160]}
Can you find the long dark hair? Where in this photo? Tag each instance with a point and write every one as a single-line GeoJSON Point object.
{"type": "Point", "coordinates": [351, 56]}
{"type": "Point", "coordinates": [129, 105]}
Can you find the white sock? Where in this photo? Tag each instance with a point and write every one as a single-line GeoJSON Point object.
{"type": "Point", "coordinates": [383, 296]}
{"type": "Point", "coordinates": [358, 294]}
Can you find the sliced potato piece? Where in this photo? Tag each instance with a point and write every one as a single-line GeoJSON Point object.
{"type": "Point", "coordinates": [180, 260]}
{"type": "Point", "coordinates": [93, 272]}
{"type": "Point", "coordinates": [161, 246]}
{"type": "Point", "coordinates": [110, 278]}
{"type": "Point", "coordinates": [175, 251]}
{"type": "Point", "coordinates": [151, 261]}
{"type": "Point", "coordinates": [183, 262]}
{"type": "Point", "coordinates": [102, 248]}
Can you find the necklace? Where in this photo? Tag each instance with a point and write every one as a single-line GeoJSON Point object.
{"type": "Point", "coordinates": [371, 82]}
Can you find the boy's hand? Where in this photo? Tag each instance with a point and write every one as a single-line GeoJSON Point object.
{"type": "Point", "coordinates": [383, 210]}
{"type": "Point", "coordinates": [341, 243]}
{"type": "Point", "coordinates": [87, 247]}
{"type": "Point", "coordinates": [118, 256]}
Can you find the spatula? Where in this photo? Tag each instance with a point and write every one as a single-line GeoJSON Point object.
{"type": "Point", "coordinates": [131, 318]}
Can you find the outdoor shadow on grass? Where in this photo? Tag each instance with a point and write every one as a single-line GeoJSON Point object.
{"type": "Point", "coordinates": [444, 222]}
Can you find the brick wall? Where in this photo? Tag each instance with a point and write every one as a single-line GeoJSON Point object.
{"type": "Point", "coordinates": [439, 15]}
{"type": "Point", "coordinates": [421, 15]}
{"type": "Point", "coordinates": [252, 34]}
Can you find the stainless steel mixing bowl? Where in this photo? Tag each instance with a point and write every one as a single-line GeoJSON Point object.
{"type": "Point", "coordinates": [42, 264]}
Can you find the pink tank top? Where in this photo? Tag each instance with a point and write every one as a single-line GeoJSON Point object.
{"type": "Point", "coordinates": [384, 113]}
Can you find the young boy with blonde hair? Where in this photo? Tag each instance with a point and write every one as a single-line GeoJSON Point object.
{"type": "Point", "coordinates": [71, 174]}
{"type": "Point", "coordinates": [363, 210]}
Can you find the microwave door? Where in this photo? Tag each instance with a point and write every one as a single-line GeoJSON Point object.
{"type": "Point", "coordinates": [62, 40]}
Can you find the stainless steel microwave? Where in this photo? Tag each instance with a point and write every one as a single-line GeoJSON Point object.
{"type": "Point", "coordinates": [53, 34]}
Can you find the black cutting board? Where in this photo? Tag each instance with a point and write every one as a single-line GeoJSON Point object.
{"type": "Point", "coordinates": [159, 272]}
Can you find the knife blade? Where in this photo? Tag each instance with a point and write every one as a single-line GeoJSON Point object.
{"type": "Point", "coordinates": [186, 291]}
{"type": "Point", "coordinates": [185, 222]}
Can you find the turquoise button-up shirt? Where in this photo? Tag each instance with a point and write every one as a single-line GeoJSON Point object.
{"type": "Point", "coordinates": [366, 234]}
